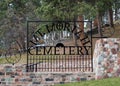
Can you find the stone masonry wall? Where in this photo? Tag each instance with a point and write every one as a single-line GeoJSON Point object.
{"type": "Point", "coordinates": [106, 58]}
{"type": "Point", "coordinates": [17, 76]}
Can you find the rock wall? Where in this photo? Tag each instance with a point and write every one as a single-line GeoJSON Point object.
{"type": "Point", "coordinates": [106, 58]}
{"type": "Point", "coordinates": [17, 76]}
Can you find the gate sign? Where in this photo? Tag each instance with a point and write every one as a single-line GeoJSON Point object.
{"type": "Point", "coordinates": [59, 39]}
{"type": "Point", "coordinates": [54, 50]}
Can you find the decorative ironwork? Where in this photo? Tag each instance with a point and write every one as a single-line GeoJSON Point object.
{"type": "Point", "coordinates": [13, 53]}
{"type": "Point", "coordinates": [58, 46]}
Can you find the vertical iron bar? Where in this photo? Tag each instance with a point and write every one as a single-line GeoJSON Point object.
{"type": "Point", "coordinates": [68, 61]}
{"type": "Point", "coordinates": [73, 63]}
{"type": "Point", "coordinates": [45, 63]}
{"type": "Point", "coordinates": [65, 63]}
{"type": "Point", "coordinates": [85, 58]}
{"type": "Point", "coordinates": [35, 59]}
{"type": "Point", "coordinates": [30, 61]}
{"type": "Point", "coordinates": [71, 58]}
{"type": "Point", "coordinates": [80, 58]}
{"type": "Point", "coordinates": [78, 63]}
{"type": "Point", "coordinates": [33, 64]}
{"type": "Point", "coordinates": [42, 63]}
{"type": "Point", "coordinates": [39, 63]}
{"type": "Point", "coordinates": [81, 68]}
{"type": "Point", "coordinates": [56, 64]}
{"type": "Point", "coordinates": [87, 62]}
{"type": "Point", "coordinates": [51, 63]}
{"type": "Point", "coordinates": [62, 62]}
{"type": "Point", "coordinates": [48, 63]}
{"type": "Point", "coordinates": [62, 59]}
{"type": "Point", "coordinates": [59, 62]}
{"type": "Point", "coordinates": [27, 68]}
{"type": "Point", "coordinates": [91, 48]}
{"type": "Point", "coordinates": [36, 68]}
{"type": "Point", "coordinates": [83, 63]}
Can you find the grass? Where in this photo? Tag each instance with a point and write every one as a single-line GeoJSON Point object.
{"type": "Point", "coordinates": [23, 60]}
{"type": "Point", "coordinates": [103, 82]}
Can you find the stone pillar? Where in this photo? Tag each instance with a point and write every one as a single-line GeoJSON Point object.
{"type": "Point", "coordinates": [106, 58]}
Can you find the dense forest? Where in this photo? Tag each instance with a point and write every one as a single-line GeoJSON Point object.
{"type": "Point", "coordinates": [15, 13]}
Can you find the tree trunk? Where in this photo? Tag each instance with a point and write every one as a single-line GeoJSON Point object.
{"type": "Point", "coordinates": [116, 10]}
{"type": "Point", "coordinates": [95, 23]}
{"type": "Point", "coordinates": [111, 17]}
{"type": "Point", "coordinates": [99, 25]}
{"type": "Point", "coordinates": [116, 17]}
{"type": "Point", "coordinates": [81, 24]}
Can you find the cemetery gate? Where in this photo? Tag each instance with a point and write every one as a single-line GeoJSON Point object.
{"type": "Point", "coordinates": [59, 46]}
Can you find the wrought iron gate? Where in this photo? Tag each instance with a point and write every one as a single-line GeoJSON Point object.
{"type": "Point", "coordinates": [59, 46]}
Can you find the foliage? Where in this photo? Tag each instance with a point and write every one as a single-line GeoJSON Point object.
{"type": "Point", "coordinates": [13, 16]}
{"type": "Point", "coordinates": [104, 5]}
{"type": "Point", "coordinates": [63, 9]}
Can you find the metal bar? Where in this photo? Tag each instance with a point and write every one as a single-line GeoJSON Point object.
{"type": "Point", "coordinates": [38, 61]}
{"type": "Point", "coordinates": [49, 63]}
{"type": "Point", "coordinates": [55, 21]}
{"type": "Point", "coordinates": [74, 63]}
{"type": "Point", "coordinates": [42, 62]}
{"type": "Point", "coordinates": [27, 47]}
{"type": "Point", "coordinates": [99, 37]}
{"type": "Point", "coordinates": [59, 63]}
{"type": "Point", "coordinates": [71, 62]}
{"type": "Point", "coordinates": [77, 63]}
{"type": "Point", "coordinates": [36, 68]}
{"type": "Point", "coordinates": [68, 63]}
{"type": "Point", "coordinates": [45, 62]}
{"type": "Point", "coordinates": [83, 63]}
{"type": "Point", "coordinates": [91, 47]}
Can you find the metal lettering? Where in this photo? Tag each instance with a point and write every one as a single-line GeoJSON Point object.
{"type": "Point", "coordinates": [56, 50]}
{"type": "Point", "coordinates": [39, 32]}
{"type": "Point", "coordinates": [79, 51]}
{"type": "Point", "coordinates": [33, 42]}
{"type": "Point", "coordinates": [66, 50]}
{"type": "Point", "coordinates": [67, 26]}
{"type": "Point", "coordinates": [87, 49]}
{"type": "Point", "coordinates": [85, 40]}
{"type": "Point", "coordinates": [71, 50]}
{"type": "Point", "coordinates": [59, 26]}
{"type": "Point", "coordinates": [47, 28]}
{"type": "Point", "coordinates": [48, 51]}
